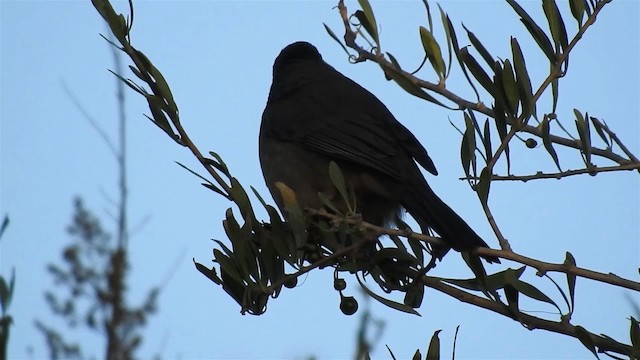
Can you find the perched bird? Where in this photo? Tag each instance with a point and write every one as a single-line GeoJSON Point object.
{"type": "Point", "coordinates": [315, 115]}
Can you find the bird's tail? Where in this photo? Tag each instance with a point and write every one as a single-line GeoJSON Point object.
{"type": "Point", "coordinates": [431, 212]}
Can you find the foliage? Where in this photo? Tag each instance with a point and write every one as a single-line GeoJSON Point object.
{"type": "Point", "coordinates": [262, 257]}
{"type": "Point", "coordinates": [93, 278]}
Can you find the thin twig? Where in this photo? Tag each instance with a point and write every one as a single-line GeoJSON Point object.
{"type": "Point", "coordinates": [544, 267]}
{"type": "Point", "coordinates": [531, 322]}
{"type": "Point", "coordinates": [87, 116]}
{"type": "Point", "coordinates": [504, 243]}
{"type": "Point", "coordinates": [540, 175]}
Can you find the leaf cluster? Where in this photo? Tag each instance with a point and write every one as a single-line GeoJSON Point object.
{"type": "Point", "coordinates": [262, 257]}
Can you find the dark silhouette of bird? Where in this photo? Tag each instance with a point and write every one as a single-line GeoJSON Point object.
{"type": "Point", "coordinates": [315, 115]}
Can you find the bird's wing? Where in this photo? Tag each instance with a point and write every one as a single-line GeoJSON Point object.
{"type": "Point", "coordinates": [350, 141]}
{"type": "Point", "coordinates": [339, 118]}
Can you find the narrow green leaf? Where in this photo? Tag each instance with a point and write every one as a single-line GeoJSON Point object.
{"type": "Point", "coordinates": [163, 87]}
{"type": "Point", "coordinates": [223, 166]}
{"type": "Point", "coordinates": [475, 265]}
{"type": "Point", "coordinates": [227, 265]}
{"type": "Point", "coordinates": [337, 179]}
{"type": "Point", "coordinates": [260, 198]}
{"type": "Point", "coordinates": [240, 197]}
{"type": "Point", "coordinates": [465, 154]}
{"type": "Point", "coordinates": [394, 61]}
{"type": "Point", "coordinates": [193, 172]}
{"type": "Point", "coordinates": [214, 189]}
{"type": "Point", "coordinates": [235, 288]}
{"type": "Point", "coordinates": [429, 19]}
{"type": "Point", "coordinates": [5, 224]}
{"type": "Point", "coordinates": [585, 338]}
{"type": "Point", "coordinates": [116, 23]}
{"type": "Point", "coordinates": [371, 20]}
{"type": "Point", "coordinates": [564, 40]}
{"type": "Point", "coordinates": [571, 278]}
{"type": "Point", "coordinates": [512, 296]}
{"type": "Point", "coordinates": [432, 49]}
{"type": "Point", "coordinates": [486, 139]}
{"type": "Point", "coordinates": [555, 84]}
{"type": "Point", "coordinates": [554, 20]}
{"type": "Point", "coordinates": [407, 84]}
{"type": "Point", "coordinates": [414, 296]}
{"type": "Point", "coordinates": [531, 291]}
{"type": "Point", "coordinates": [135, 87]}
{"type": "Point", "coordinates": [562, 293]}
{"type": "Point", "coordinates": [634, 333]}
{"type": "Point", "coordinates": [544, 128]}
{"type": "Point", "coordinates": [390, 303]}
{"type": "Point", "coordinates": [494, 281]}
{"type": "Point", "coordinates": [478, 45]}
{"type": "Point", "coordinates": [159, 118]}
{"type": "Point", "coordinates": [477, 71]}
{"type": "Point", "coordinates": [12, 285]}
{"type": "Point", "coordinates": [599, 129]}
{"type": "Point", "coordinates": [510, 87]}
{"type": "Point", "coordinates": [500, 94]}
{"type": "Point", "coordinates": [522, 79]}
{"type": "Point", "coordinates": [417, 248]}
{"type": "Point", "coordinates": [335, 37]}
{"type": "Point", "coordinates": [434, 347]}
{"type": "Point", "coordinates": [4, 296]}
{"type": "Point", "coordinates": [224, 248]}
{"type": "Point", "coordinates": [501, 122]}
{"type": "Point", "coordinates": [484, 186]}
{"type": "Point", "coordinates": [443, 18]}
{"type": "Point", "coordinates": [398, 242]}
{"type": "Point", "coordinates": [577, 10]}
{"type": "Point", "coordinates": [136, 72]}
{"type": "Point", "coordinates": [209, 273]}
{"type": "Point", "coordinates": [457, 50]}
{"type": "Point", "coordinates": [234, 233]}
{"type": "Point", "coordinates": [588, 8]}
{"type": "Point", "coordinates": [585, 135]}
{"type": "Point", "coordinates": [536, 32]}
{"type": "Point", "coordinates": [417, 355]}
{"type": "Point", "coordinates": [470, 138]}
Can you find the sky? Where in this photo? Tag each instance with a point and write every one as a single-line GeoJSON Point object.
{"type": "Point", "coordinates": [217, 58]}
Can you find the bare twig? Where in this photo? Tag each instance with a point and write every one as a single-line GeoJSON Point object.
{"type": "Point", "coordinates": [594, 170]}
{"type": "Point", "coordinates": [504, 243]}
{"type": "Point", "coordinates": [87, 116]}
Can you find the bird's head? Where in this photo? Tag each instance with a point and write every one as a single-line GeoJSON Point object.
{"type": "Point", "coordinates": [297, 52]}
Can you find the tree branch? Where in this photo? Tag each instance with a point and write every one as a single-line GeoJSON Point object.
{"type": "Point", "coordinates": [541, 266]}
{"type": "Point", "coordinates": [530, 322]}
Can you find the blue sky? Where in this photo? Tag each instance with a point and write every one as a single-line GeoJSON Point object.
{"type": "Point", "coordinates": [217, 58]}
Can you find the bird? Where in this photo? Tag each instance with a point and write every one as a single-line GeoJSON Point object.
{"type": "Point", "coordinates": [315, 115]}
